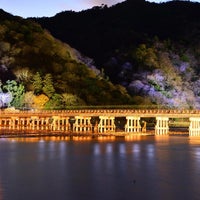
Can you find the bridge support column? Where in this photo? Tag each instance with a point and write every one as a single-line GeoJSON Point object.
{"type": "Point", "coordinates": [22, 122]}
{"type": "Point", "coordinates": [61, 124]}
{"type": "Point", "coordinates": [56, 123]}
{"type": "Point", "coordinates": [37, 123]}
{"type": "Point", "coordinates": [194, 128]}
{"type": "Point", "coordinates": [28, 123]}
{"type": "Point", "coordinates": [82, 124]}
{"type": "Point", "coordinates": [42, 123]}
{"type": "Point", "coordinates": [33, 123]}
{"type": "Point", "coordinates": [14, 123]}
{"type": "Point", "coordinates": [106, 124]}
{"type": "Point", "coordinates": [65, 124]}
{"type": "Point", "coordinates": [47, 125]}
{"type": "Point", "coordinates": [133, 124]}
{"type": "Point", "coordinates": [162, 126]}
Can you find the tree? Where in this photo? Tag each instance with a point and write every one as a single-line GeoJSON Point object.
{"type": "Point", "coordinates": [22, 74]}
{"type": "Point", "coordinates": [48, 87]}
{"type": "Point", "coordinates": [54, 103]}
{"type": "Point", "coordinates": [17, 91]}
{"type": "Point", "coordinates": [0, 86]}
{"type": "Point", "coordinates": [39, 101]}
{"type": "Point", "coordinates": [71, 100]}
{"type": "Point", "coordinates": [5, 99]}
{"type": "Point", "coordinates": [146, 56]}
{"type": "Point", "coordinates": [37, 83]}
{"type": "Point", "coordinates": [28, 99]}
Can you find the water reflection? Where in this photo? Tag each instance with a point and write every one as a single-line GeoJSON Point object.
{"type": "Point", "coordinates": [162, 139]}
{"type": "Point", "coordinates": [150, 149]}
{"type": "Point", "coordinates": [194, 140]}
{"type": "Point", "coordinates": [134, 137]}
{"type": "Point", "coordinates": [140, 168]}
{"type": "Point", "coordinates": [97, 150]}
{"type": "Point", "coordinates": [38, 139]}
{"type": "Point", "coordinates": [109, 148]}
{"type": "Point", "coordinates": [122, 148]}
{"type": "Point", "coordinates": [106, 138]}
{"type": "Point", "coordinates": [1, 191]}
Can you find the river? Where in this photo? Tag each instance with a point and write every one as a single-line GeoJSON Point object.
{"type": "Point", "coordinates": [58, 168]}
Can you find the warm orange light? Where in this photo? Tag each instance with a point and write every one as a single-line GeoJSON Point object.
{"type": "Point", "coordinates": [133, 137]}
{"type": "Point", "coordinates": [195, 140]}
{"type": "Point", "coordinates": [81, 138]}
{"type": "Point", "coordinates": [106, 138]}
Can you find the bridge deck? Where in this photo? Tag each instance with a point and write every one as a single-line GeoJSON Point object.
{"type": "Point", "coordinates": [105, 112]}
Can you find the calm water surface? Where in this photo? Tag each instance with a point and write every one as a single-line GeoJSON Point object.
{"type": "Point", "coordinates": [59, 169]}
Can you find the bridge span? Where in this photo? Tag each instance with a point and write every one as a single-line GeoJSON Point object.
{"type": "Point", "coordinates": [96, 121]}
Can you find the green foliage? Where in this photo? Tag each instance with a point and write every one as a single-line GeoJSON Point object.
{"type": "Point", "coordinates": [28, 99]}
{"type": "Point", "coordinates": [37, 83]}
{"type": "Point", "coordinates": [48, 87]}
{"type": "Point", "coordinates": [55, 103]}
{"type": "Point", "coordinates": [71, 100]}
{"type": "Point", "coordinates": [146, 56]}
{"type": "Point", "coordinates": [155, 85]}
{"type": "Point", "coordinates": [0, 86]}
{"type": "Point", "coordinates": [185, 58]}
{"type": "Point", "coordinates": [17, 90]}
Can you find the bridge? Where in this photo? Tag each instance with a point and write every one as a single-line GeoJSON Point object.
{"type": "Point", "coordinates": [96, 121]}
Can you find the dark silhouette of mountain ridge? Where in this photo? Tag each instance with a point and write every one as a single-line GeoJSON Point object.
{"type": "Point", "coordinates": [99, 31]}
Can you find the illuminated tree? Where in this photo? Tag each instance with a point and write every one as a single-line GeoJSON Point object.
{"type": "Point", "coordinates": [37, 83]}
{"type": "Point", "coordinates": [48, 87]}
{"type": "Point", "coordinates": [146, 56]}
{"type": "Point", "coordinates": [39, 101]}
{"type": "Point", "coordinates": [5, 99]}
{"type": "Point", "coordinates": [22, 74]}
{"type": "Point", "coordinates": [28, 99]}
{"type": "Point", "coordinates": [17, 92]}
{"type": "Point", "coordinates": [0, 86]}
{"type": "Point", "coordinates": [55, 102]}
{"type": "Point", "coordinates": [71, 100]}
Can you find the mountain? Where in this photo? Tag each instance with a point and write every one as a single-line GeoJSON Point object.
{"type": "Point", "coordinates": [42, 72]}
{"type": "Point", "coordinates": [151, 49]}
{"type": "Point", "coordinates": [129, 23]}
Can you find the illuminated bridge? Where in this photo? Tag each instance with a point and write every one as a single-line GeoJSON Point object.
{"type": "Point", "coordinates": [96, 121]}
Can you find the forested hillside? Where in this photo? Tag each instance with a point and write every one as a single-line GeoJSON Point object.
{"type": "Point", "coordinates": [151, 49]}
{"type": "Point", "coordinates": [39, 71]}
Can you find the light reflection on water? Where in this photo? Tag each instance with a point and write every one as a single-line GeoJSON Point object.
{"type": "Point", "coordinates": [145, 167]}
{"type": "Point", "coordinates": [1, 191]}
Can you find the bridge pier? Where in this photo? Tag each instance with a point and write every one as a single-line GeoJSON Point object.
{"type": "Point", "coordinates": [162, 126]}
{"type": "Point", "coordinates": [22, 123]}
{"type": "Point", "coordinates": [34, 123]}
{"type": "Point", "coordinates": [5, 123]}
{"type": "Point", "coordinates": [106, 124]}
{"type": "Point", "coordinates": [82, 124]}
{"type": "Point", "coordinates": [194, 128]}
{"type": "Point", "coordinates": [65, 125]}
{"type": "Point", "coordinates": [133, 124]}
{"type": "Point", "coordinates": [58, 123]}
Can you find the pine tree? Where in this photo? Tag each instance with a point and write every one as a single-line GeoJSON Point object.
{"type": "Point", "coordinates": [48, 87]}
{"type": "Point", "coordinates": [37, 83]}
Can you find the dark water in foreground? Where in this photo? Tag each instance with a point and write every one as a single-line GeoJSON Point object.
{"type": "Point", "coordinates": [58, 169]}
